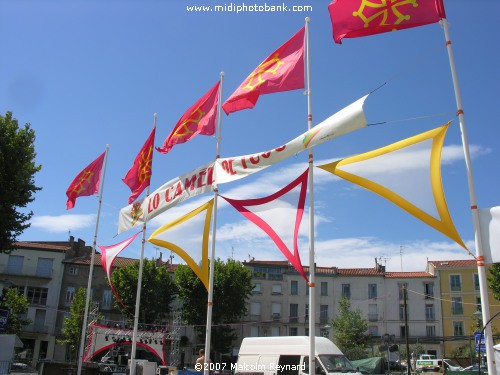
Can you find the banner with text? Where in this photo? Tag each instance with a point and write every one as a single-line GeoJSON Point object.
{"type": "Point", "coordinates": [225, 170]}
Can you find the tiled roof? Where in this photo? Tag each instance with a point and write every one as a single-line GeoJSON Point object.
{"type": "Point", "coordinates": [359, 272]}
{"type": "Point", "coordinates": [118, 262]}
{"type": "Point", "coordinates": [402, 275]}
{"type": "Point", "coordinates": [465, 263]}
{"type": "Point", "coordinates": [281, 263]}
{"type": "Point", "coordinates": [47, 246]}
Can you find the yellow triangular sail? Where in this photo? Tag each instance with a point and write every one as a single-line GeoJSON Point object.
{"type": "Point", "coordinates": [160, 238]}
{"type": "Point", "coordinates": [442, 220]}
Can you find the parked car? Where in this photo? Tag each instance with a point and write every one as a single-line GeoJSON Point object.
{"type": "Point", "coordinates": [475, 367]}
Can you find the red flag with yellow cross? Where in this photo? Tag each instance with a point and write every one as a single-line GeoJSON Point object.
{"type": "Point", "coordinates": [283, 70]}
{"type": "Point", "coordinates": [200, 118]}
{"type": "Point", "coordinates": [356, 18]}
{"type": "Point", "coordinates": [86, 182]}
{"type": "Point", "coordinates": [139, 175]}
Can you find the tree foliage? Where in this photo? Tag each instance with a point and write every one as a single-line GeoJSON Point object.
{"type": "Point", "coordinates": [494, 280]}
{"type": "Point", "coordinates": [17, 304]}
{"type": "Point", "coordinates": [72, 326]}
{"type": "Point", "coordinates": [349, 331]}
{"type": "Point", "coordinates": [17, 170]}
{"type": "Point", "coordinates": [232, 288]}
{"type": "Point", "coordinates": [158, 291]}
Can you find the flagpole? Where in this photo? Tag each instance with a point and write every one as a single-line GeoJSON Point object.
{"type": "Point", "coordinates": [91, 271]}
{"type": "Point", "coordinates": [139, 287]}
{"type": "Point", "coordinates": [483, 286]}
{"type": "Point", "coordinates": [312, 277]}
{"type": "Point", "coordinates": [208, 328]}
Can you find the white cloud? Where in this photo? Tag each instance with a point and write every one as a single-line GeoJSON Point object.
{"type": "Point", "coordinates": [63, 223]}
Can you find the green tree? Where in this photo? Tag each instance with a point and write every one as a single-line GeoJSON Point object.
{"type": "Point", "coordinates": [232, 288]}
{"type": "Point", "coordinates": [17, 304]}
{"type": "Point", "coordinates": [17, 170]}
{"type": "Point", "coordinates": [349, 331]}
{"type": "Point", "coordinates": [72, 326]}
{"type": "Point", "coordinates": [158, 291]}
{"type": "Point", "coordinates": [494, 280]}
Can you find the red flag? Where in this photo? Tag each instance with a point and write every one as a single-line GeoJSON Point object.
{"type": "Point", "coordinates": [86, 183]}
{"type": "Point", "coordinates": [355, 18]}
{"type": "Point", "coordinates": [283, 70]}
{"type": "Point", "coordinates": [138, 177]}
{"type": "Point", "coordinates": [200, 118]}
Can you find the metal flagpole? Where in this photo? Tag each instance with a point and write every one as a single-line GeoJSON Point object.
{"type": "Point", "coordinates": [208, 328]}
{"type": "Point", "coordinates": [483, 286]}
{"type": "Point", "coordinates": [139, 287]}
{"type": "Point", "coordinates": [312, 277]}
{"type": "Point", "coordinates": [91, 271]}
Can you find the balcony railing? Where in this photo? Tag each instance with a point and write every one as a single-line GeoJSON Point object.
{"type": "Point", "coordinates": [373, 317]}
{"type": "Point", "coordinates": [36, 328]}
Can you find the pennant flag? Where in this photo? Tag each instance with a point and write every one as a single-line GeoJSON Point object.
{"type": "Point", "coordinates": [283, 70]}
{"type": "Point", "coordinates": [200, 118]}
{"type": "Point", "coordinates": [86, 182]}
{"type": "Point", "coordinates": [224, 170]}
{"type": "Point", "coordinates": [489, 223]}
{"type": "Point", "coordinates": [138, 177]}
{"type": "Point", "coordinates": [356, 18]}
{"type": "Point", "coordinates": [274, 210]}
{"type": "Point", "coordinates": [164, 236]}
{"type": "Point", "coordinates": [109, 253]}
{"type": "Point", "coordinates": [420, 192]}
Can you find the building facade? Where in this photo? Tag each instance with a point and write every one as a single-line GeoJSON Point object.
{"type": "Point", "coordinates": [440, 302]}
{"type": "Point", "coordinates": [280, 302]}
{"type": "Point", "coordinates": [461, 301]}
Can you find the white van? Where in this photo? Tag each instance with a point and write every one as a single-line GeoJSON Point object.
{"type": "Point", "coordinates": [289, 355]}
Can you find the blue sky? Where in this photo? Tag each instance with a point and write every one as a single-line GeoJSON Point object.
{"type": "Point", "coordinates": [90, 73]}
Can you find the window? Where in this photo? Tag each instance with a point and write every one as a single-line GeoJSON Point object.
{"type": "Point", "coordinates": [73, 270]}
{"type": "Point", "coordinates": [254, 331]}
{"type": "Point", "coordinates": [402, 287]}
{"type": "Point", "coordinates": [372, 313]}
{"type": "Point", "coordinates": [39, 323]}
{"type": "Point", "coordinates": [429, 313]}
{"type": "Point", "coordinates": [401, 312]}
{"type": "Point", "coordinates": [257, 288]}
{"type": "Point", "coordinates": [37, 296]}
{"type": "Point", "coordinates": [457, 306]}
{"type": "Point", "coordinates": [455, 283]}
{"type": "Point", "coordinates": [275, 331]}
{"type": "Point", "coordinates": [294, 312]}
{"type": "Point", "coordinates": [294, 287]}
{"type": "Point", "coordinates": [478, 304]}
{"type": "Point", "coordinates": [293, 331]}
{"type": "Point", "coordinates": [402, 331]}
{"type": "Point", "coordinates": [372, 291]}
{"type": "Point", "coordinates": [346, 291]}
{"type": "Point", "coordinates": [306, 312]}
{"type": "Point", "coordinates": [476, 281]}
{"type": "Point", "coordinates": [254, 310]}
{"type": "Point", "coordinates": [307, 289]}
{"type": "Point", "coordinates": [267, 273]}
{"type": "Point", "coordinates": [70, 294]}
{"type": "Point", "coordinates": [107, 299]}
{"type": "Point", "coordinates": [323, 314]}
{"type": "Point", "coordinates": [324, 288]}
{"type": "Point", "coordinates": [458, 328]}
{"type": "Point", "coordinates": [276, 289]}
{"type": "Point", "coordinates": [15, 264]}
{"type": "Point", "coordinates": [430, 331]}
{"type": "Point", "coordinates": [373, 330]}
{"type": "Point", "coordinates": [429, 290]}
{"type": "Point", "coordinates": [276, 310]}
{"type": "Point", "coordinates": [44, 267]}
